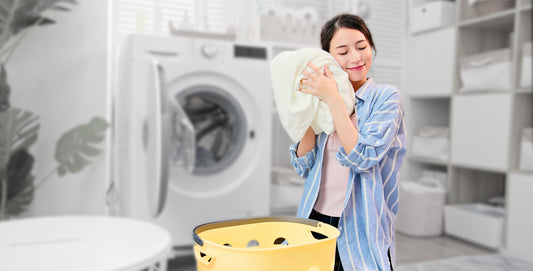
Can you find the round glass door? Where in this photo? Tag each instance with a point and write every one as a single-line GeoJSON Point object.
{"type": "Point", "coordinates": [219, 124]}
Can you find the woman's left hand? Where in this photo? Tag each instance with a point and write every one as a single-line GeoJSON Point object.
{"type": "Point", "coordinates": [321, 85]}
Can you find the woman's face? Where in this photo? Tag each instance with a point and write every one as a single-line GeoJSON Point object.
{"type": "Point", "coordinates": [354, 54]}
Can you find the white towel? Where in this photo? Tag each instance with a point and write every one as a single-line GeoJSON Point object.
{"type": "Point", "coordinates": [298, 110]}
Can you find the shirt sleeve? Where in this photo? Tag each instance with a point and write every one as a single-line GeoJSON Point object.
{"type": "Point", "coordinates": [303, 164]}
{"type": "Point", "coordinates": [376, 136]}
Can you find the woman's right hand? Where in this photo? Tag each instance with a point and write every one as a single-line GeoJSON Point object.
{"type": "Point", "coordinates": [307, 143]}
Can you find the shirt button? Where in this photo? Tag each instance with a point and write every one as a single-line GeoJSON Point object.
{"type": "Point", "coordinates": [340, 228]}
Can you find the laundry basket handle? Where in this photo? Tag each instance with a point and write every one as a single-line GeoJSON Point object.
{"type": "Point", "coordinates": [202, 257]}
{"type": "Point", "coordinates": [235, 222]}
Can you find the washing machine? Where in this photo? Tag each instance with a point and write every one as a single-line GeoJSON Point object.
{"type": "Point", "coordinates": [192, 132]}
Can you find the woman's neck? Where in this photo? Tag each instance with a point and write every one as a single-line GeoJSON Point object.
{"type": "Point", "coordinates": [358, 84]}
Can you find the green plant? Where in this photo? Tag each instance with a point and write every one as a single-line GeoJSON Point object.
{"type": "Point", "coordinates": [19, 128]}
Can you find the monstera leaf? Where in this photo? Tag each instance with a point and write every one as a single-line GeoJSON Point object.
{"type": "Point", "coordinates": [17, 15]}
{"type": "Point", "coordinates": [20, 186]}
{"type": "Point", "coordinates": [75, 147]}
{"type": "Point", "coordinates": [18, 131]}
{"type": "Point", "coordinates": [4, 89]}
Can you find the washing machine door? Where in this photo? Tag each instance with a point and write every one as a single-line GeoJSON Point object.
{"type": "Point", "coordinates": [219, 125]}
{"type": "Point", "coordinates": [223, 111]}
{"type": "Point", "coordinates": [168, 138]}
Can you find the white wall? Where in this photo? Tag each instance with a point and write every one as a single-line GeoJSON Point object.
{"type": "Point", "coordinates": [59, 72]}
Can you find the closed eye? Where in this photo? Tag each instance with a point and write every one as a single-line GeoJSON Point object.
{"type": "Point", "coordinates": [361, 48]}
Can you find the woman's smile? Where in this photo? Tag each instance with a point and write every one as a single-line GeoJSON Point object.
{"type": "Point", "coordinates": [357, 68]}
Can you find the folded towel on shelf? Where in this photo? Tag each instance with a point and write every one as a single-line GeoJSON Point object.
{"type": "Point", "coordinates": [299, 111]}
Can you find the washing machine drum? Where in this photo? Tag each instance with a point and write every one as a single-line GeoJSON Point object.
{"type": "Point", "coordinates": [220, 127]}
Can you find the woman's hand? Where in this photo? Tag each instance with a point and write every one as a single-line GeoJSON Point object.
{"type": "Point", "coordinates": [324, 86]}
{"type": "Point", "coordinates": [321, 85]}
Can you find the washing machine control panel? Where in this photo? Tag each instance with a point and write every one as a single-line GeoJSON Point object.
{"type": "Point", "coordinates": [209, 50]}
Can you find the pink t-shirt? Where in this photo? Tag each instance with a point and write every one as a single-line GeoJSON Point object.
{"type": "Point", "coordinates": [334, 179]}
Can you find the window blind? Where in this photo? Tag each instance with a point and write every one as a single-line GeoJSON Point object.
{"type": "Point", "coordinates": [154, 16]}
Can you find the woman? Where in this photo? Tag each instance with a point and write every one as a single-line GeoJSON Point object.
{"type": "Point", "coordinates": [352, 174]}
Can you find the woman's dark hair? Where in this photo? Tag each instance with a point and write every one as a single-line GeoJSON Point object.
{"type": "Point", "coordinates": [344, 21]}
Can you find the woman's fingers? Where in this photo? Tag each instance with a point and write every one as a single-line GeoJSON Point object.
{"type": "Point", "coordinates": [312, 81]}
{"type": "Point", "coordinates": [315, 69]}
{"type": "Point", "coordinates": [312, 75]}
{"type": "Point", "coordinates": [306, 85]}
{"type": "Point", "coordinates": [308, 82]}
{"type": "Point", "coordinates": [327, 72]}
{"type": "Point", "coordinates": [309, 75]}
{"type": "Point", "coordinates": [306, 89]}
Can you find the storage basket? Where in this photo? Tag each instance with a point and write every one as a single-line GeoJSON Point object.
{"type": "Point", "coordinates": [486, 71]}
{"type": "Point", "coordinates": [486, 7]}
{"type": "Point", "coordinates": [422, 210]}
{"type": "Point", "coordinates": [265, 243]}
{"type": "Point", "coordinates": [431, 15]}
{"type": "Point", "coordinates": [432, 141]}
{"type": "Point", "coordinates": [476, 222]}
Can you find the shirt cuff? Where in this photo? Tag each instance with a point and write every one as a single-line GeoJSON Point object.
{"type": "Point", "coordinates": [352, 160]}
{"type": "Point", "coordinates": [305, 161]}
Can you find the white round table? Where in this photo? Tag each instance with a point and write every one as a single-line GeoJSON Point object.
{"type": "Point", "coordinates": [82, 243]}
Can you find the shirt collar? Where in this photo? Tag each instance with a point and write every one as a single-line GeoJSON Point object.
{"type": "Point", "coordinates": [364, 92]}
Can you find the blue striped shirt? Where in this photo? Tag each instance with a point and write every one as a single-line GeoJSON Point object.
{"type": "Point", "coordinates": [371, 203]}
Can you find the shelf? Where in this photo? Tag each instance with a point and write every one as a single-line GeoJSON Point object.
{"type": "Point", "coordinates": [482, 92]}
{"type": "Point", "coordinates": [428, 31]}
{"type": "Point", "coordinates": [475, 185]}
{"type": "Point", "coordinates": [498, 21]}
{"type": "Point", "coordinates": [478, 168]}
{"type": "Point", "coordinates": [427, 160]}
{"type": "Point", "coordinates": [519, 239]}
{"type": "Point", "coordinates": [429, 97]}
{"type": "Point", "coordinates": [524, 91]}
{"type": "Point", "coordinates": [429, 112]}
{"type": "Point", "coordinates": [526, 8]}
{"type": "Point", "coordinates": [486, 126]}
{"type": "Point", "coordinates": [420, 97]}
{"type": "Point", "coordinates": [522, 171]}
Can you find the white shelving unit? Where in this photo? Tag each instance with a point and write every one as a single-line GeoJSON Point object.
{"type": "Point", "coordinates": [485, 125]}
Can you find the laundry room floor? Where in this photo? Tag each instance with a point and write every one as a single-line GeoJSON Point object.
{"type": "Point", "coordinates": [182, 263]}
{"type": "Point", "coordinates": [410, 250]}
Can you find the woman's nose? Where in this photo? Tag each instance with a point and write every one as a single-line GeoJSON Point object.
{"type": "Point", "coordinates": [355, 55]}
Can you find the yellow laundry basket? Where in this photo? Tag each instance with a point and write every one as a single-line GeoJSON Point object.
{"type": "Point", "coordinates": [265, 243]}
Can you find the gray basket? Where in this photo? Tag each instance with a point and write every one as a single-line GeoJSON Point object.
{"type": "Point", "coordinates": [486, 7]}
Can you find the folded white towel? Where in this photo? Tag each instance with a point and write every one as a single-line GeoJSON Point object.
{"type": "Point", "coordinates": [298, 110]}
